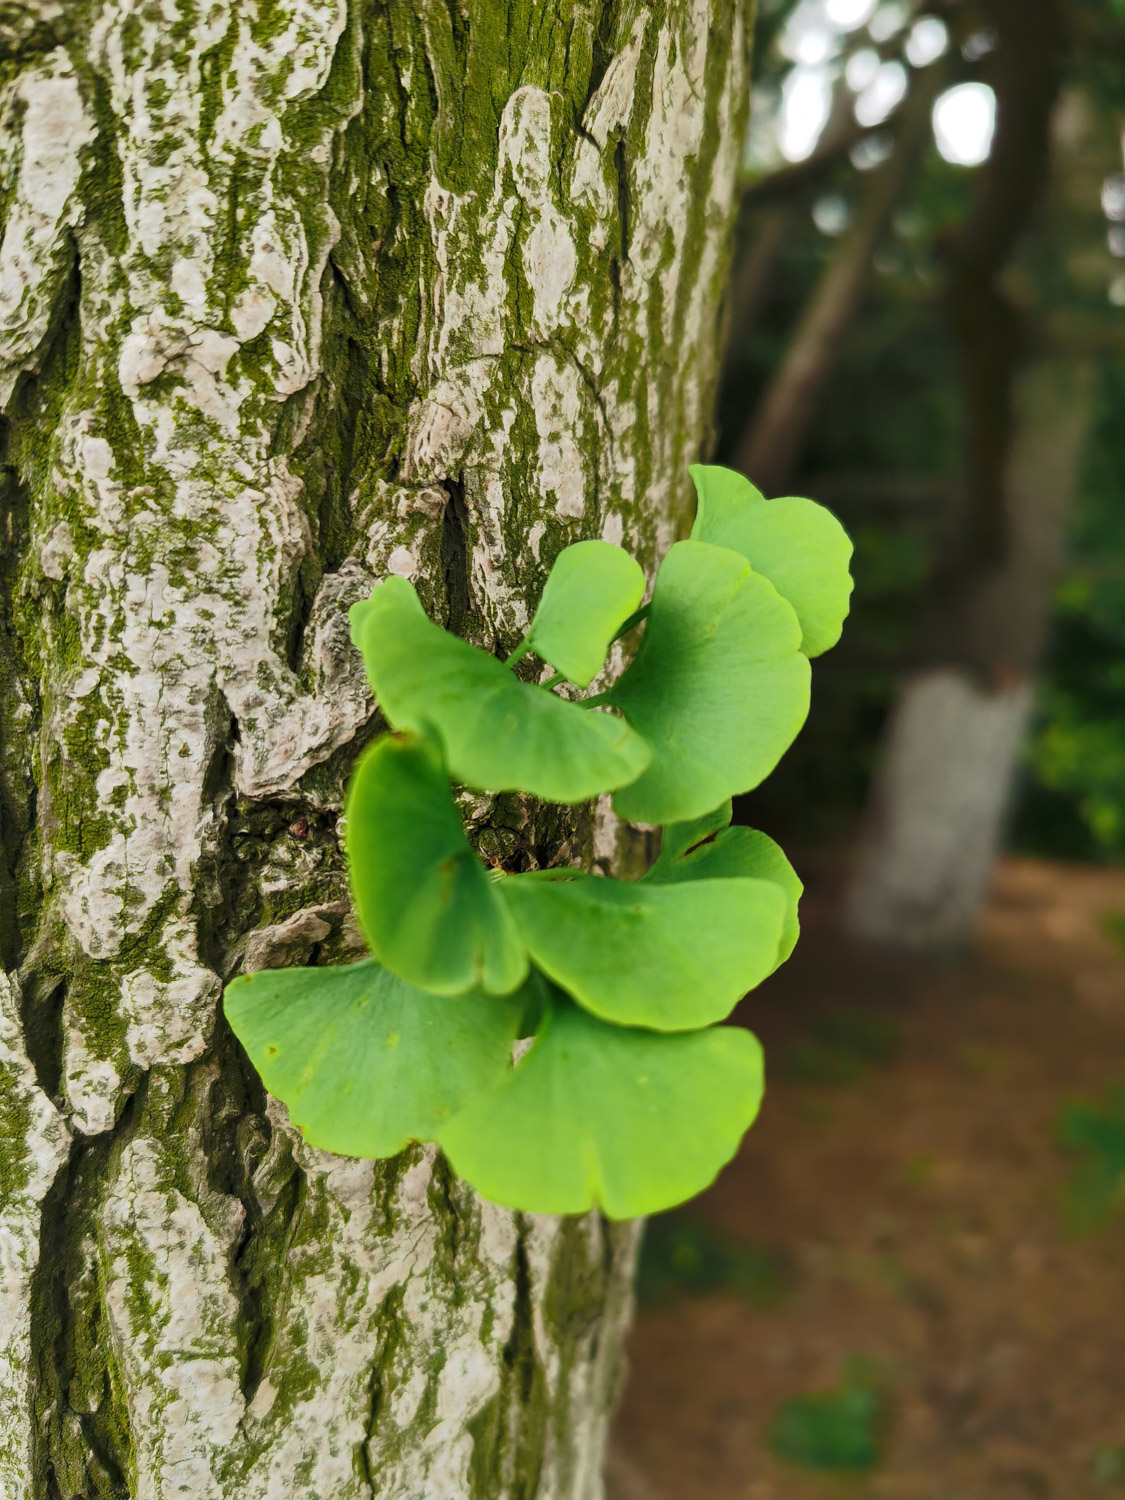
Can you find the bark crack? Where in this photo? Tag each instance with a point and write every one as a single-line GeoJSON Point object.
{"type": "Point", "coordinates": [455, 551]}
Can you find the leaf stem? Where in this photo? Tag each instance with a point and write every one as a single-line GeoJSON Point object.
{"type": "Point", "coordinates": [633, 621]}
{"type": "Point", "coordinates": [522, 650]}
{"type": "Point", "coordinates": [597, 700]}
{"type": "Point", "coordinates": [553, 681]}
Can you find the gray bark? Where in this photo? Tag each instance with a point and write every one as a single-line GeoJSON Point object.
{"type": "Point", "coordinates": [291, 296]}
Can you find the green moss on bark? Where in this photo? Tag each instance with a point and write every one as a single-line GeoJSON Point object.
{"type": "Point", "coordinates": [15, 1122]}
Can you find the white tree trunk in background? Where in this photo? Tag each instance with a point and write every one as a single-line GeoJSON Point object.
{"type": "Point", "coordinates": [293, 295]}
{"type": "Point", "coordinates": [943, 787]}
{"type": "Point", "coordinates": [938, 809]}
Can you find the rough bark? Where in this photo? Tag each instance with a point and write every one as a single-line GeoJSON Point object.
{"type": "Point", "coordinates": [294, 294]}
{"type": "Point", "coordinates": [949, 763]}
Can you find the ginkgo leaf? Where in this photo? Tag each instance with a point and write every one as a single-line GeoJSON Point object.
{"type": "Point", "coordinates": [670, 957]}
{"type": "Point", "coordinates": [425, 902]}
{"type": "Point", "coordinates": [365, 1062]}
{"type": "Point", "coordinates": [499, 733]}
{"type": "Point", "coordinates": [630, 1121]}
{"type": "Point", "coordinates": [592, 589]}
{"type": "Point", "coordinates": [719, 685]}
{"type": "Point", "coordinates": [708, 850]}
{"type": "Point", "coordinates": [800, 547]}
{"type": "Point", "coordinates": [678, 838]}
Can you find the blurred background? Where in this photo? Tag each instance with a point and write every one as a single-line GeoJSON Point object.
{"type": "Point", "coordinates": [911, 1283]}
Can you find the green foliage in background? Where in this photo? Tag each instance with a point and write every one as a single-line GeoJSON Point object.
{"type": "Point", "coordinates": [1074, 805]}
{"type": "Point", "coordinates": [841, 1047]}
{"type": "Point", "coordinates": [1095, 1129]}
{"type": "Point", "coordinates": [629, 1095]}
{"type": "Point", "coordinates": [686, 1256]}
{"type": "Point", "coordinates": [1109, 1465]}
{"type": "Point", "coordinates": [834, 1432]}
{"type": "Point", "coordinates": [1113, 925]}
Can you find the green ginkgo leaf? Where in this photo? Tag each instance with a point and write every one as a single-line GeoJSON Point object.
{"type": "Point", "coordinates": [592, 589]}
{"type": "Point", "coordinates": [670, 957]}
{"type": "Point", "coordinates": [499, 734]}
{"type": "Point", "coordinates": [364, 1061]}
{"type": "Point", "coordinates": [678, 838]}
{"type": "Point", "coordinates": [800, 547]}
{"type": "Point", "coordinates": [425, 902]}
{"type": "Point", "coordinates": [719, 685]}
{"type": "Point", "coordinates": [598, 1115]}
{"type": "Point", "coordinates": [709, 850]}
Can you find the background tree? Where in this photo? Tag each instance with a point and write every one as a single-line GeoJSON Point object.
{"type": "Point", "coordinates": [291, 297]}
{"type": "Point", "coordinates": [925, 351]}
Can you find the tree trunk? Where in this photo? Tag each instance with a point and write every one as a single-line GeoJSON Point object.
{"type": "Point", "coordinates": [945, 780]}
{"type": "Point", "coordinates": [291, 296]}
{"type": "Point", "coordinates": [948, 764]}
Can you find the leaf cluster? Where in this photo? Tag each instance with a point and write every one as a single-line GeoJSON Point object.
{"type": "Point", "coordinates": [629, 1095]}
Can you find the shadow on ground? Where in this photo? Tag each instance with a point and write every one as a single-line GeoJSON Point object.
{"type": "Point", "coordinates": [911, 1283]}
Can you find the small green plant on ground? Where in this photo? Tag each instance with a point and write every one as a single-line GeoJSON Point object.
{"type": "Point", "coordinates": [918, 1170]}
{"type": "Point", "coordinates": [1096, 1189]}
{"type": "Point", "coordinates": [683, 1255]}
{"type": "Point", "coordinates": [1109, 1465]}
{"type": "Point", "coordinates": [830, 1432]}
{"type": "Point", "coordinates": [1113, 925]}
{"type": "Point", "coordinates": [841, 1047]}
{"type": "Point", "coordinates": [630, 1096]}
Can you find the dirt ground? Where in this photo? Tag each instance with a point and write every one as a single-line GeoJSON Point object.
{"type": "Point", "coordinates": [917, 1226]}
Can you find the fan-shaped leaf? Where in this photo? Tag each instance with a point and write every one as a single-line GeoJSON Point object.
{"type": "Point", "coordinates": [719, 685]}
{"type": "Point", "coordinates": [708, 850]}
{"type": "Point", "coordinates": [671, 957]}
{"type": "Point", "coordinates": [678, 838]}
{"type": "Point", "coordinates": [364, 1061]}
{"type": "Point", "coordinates": [592, 589]}
{"type": "Point", "coordinates": [633, 1121]}
{"type": "Point", "coordinates": [500, 734]}
{"type": "Point", "coordinates": [800, 547]}
{"type": "Point", "coordinates": [425, 902]}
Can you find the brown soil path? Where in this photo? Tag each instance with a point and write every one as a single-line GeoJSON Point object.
{"type": "Point", "coordinates": [919, 1211]}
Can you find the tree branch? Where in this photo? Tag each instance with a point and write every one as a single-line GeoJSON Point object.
{"type": "Point", "coordinates": [770, 445]}
{"type": "Point", "coordinates": [987, 326]}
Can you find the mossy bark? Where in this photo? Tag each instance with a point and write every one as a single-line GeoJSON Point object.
{"type": "Point", "coordinates": [292, 295]}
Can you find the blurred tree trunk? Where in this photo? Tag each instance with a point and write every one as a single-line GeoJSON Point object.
{"type": "Point", "coordinates": [944, 782]}
{"type": "Point", "coordinates": [939, 800]}
{"type": "Point", "coordinates": [292, 296]}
